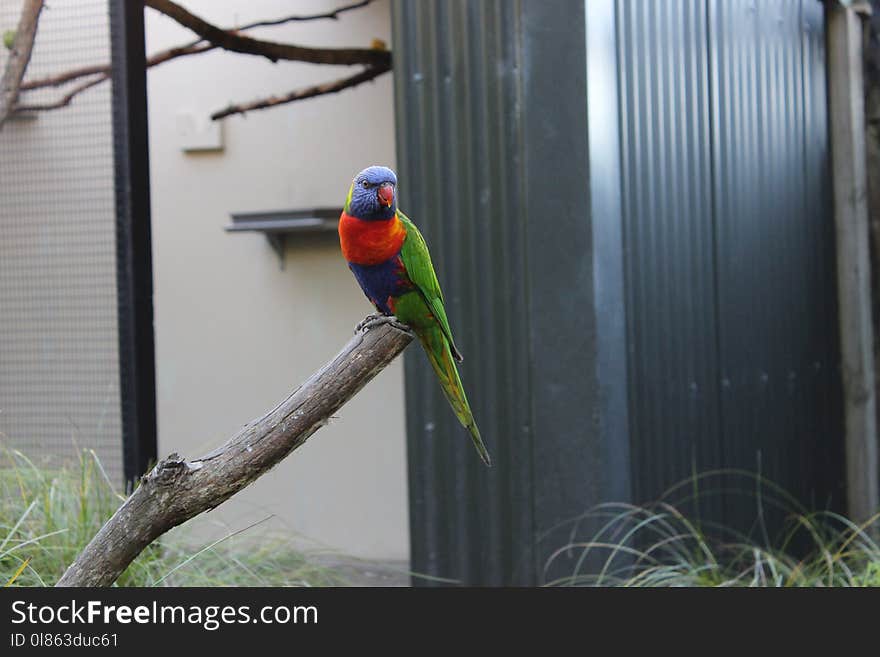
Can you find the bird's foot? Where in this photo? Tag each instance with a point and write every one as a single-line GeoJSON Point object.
{"type": "Point", "coordinates": [372, 321]}
{"type": "Point", "coordinates": [366, 320]}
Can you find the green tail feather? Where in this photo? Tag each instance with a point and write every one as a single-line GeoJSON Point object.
{"type": "Point", "coordinates": [440, 355]}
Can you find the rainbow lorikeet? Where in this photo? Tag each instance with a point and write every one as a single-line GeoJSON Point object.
{"type": "Point", "coordinates": [390, 260]}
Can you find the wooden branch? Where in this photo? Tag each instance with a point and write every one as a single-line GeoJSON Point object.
{"type": "Point", "coordinates": [193, 48]}
{"type": "Point", "coordinates": [177, 490]}
{"type": "Point", "coordinates": [66, 76]}
{"type": "Point", "coordinates": [19, 56]}
{"type": "Point", "coordinates": [64, 100]}
{"type": "Point", "coordinates": [366, 75]}
{"type": "Point", "coordinates": [272, 50]}
{"type": "Point", "coordinates": [332, 14]}
{"type": "Point", "coordinates": [104, 69]}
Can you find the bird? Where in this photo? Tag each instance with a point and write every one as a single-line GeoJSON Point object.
{"type": "Point", "coordinates": [390, 260]}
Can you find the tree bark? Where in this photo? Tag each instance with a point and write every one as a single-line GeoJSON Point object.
{"type": "Point", "coordinates": [369, 73]}
{"type": "Point", "coordinates": [19, 56]}
{"type": "Point", "coordinates": [377, 60]}
{"type": "Point", "coordinates": [271, 50]}
{"type": "Point", "coordinates": [176, 489]}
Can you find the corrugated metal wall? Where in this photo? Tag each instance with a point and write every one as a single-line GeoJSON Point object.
{"type": "Point", "coordinates": [59, 375]}
{"type": "Point", "coordinates": [666, 157]}
{"type": "Point", "coordinates": [487, 171]}
{"type": "Point", "coordinates": [729, 246]}
{"type": "Point", "coordinates": [460, 161]}
{"type": "Point", "coordinates": [643, 284]}
{"type": "Point", "coordinates": [775, 257]}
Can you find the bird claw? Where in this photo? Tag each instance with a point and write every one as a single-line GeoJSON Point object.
{"type": "Point", "coordinates": [366, 320]}
{"type": "Point", "coordinates": [372, 321]}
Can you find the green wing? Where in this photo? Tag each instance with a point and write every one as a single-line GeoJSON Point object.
{"type": "Point", "coordinates": [417, 261]}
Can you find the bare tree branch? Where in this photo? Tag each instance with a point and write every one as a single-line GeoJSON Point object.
{"type": "Point", "coordinates": [332, 14]}
{"type": "Point", "coordinates": [177, 490]}
{"type": "Point", "coordinates": [104, 69]}
{"type": "Point", "coordinates": [193, 48]}
{"type": "Point", "coordinates": [19, 56]}
{"type": "Point", "coordinates": [67, 76]}
{"type": "Point", "coordinates": [270, 49]}
{"type": "Point", "coordinates": [366, 75]}
{"type": "Point", "coordinates": [64, 100]}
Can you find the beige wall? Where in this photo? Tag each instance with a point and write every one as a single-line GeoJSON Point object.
{"type": "Point", "coordinates": [234, 333]}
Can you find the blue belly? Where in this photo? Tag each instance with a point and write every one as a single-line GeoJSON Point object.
{"type": "Point", "coordinates": [379, 282]}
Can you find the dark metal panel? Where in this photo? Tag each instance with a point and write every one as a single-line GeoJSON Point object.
{"type": "Point", "coordinates": [827, 465]}
{"type": "Point", "coordinates": [458, 126]}
{"type": "Point", "coordinates": [494, 164]}
{"type": "Point", "coordinates": [776, 312]}
{"type": "Point", "coordinates": [137, 375]}
{"type": "Point", "coordinates": [575, 273]}
{"type": "Point", "coordinates": [758, 137]}
{"type": "Point", "coordinates": [669, 236]}
{"type": "Point", "coordinates": [633, 230]}
{"type": "Point", "coordinates": [560, 290]}
{"type": "Point", "coordinates": [729, 249]}
{"type": "Point", "coordinates": [606, 214]}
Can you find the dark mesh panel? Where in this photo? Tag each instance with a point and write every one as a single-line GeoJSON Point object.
{"type": "Point", "coordinates": [59, 371]}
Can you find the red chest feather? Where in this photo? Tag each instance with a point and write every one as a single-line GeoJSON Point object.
{"type": "Point", "coordinates": [370, 242]}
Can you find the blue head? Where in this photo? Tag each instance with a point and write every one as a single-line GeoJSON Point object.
{"type": "Point", "coordinates": [373, 194]}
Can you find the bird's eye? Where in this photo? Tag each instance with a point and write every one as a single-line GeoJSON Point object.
{"type": "Point", "coordinates": [366, 184]}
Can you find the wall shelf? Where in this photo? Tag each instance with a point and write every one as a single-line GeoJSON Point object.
{"type": "Point", "coordinates": [278, 224]}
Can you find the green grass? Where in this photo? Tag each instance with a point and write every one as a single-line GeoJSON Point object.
{"type": "Point", "coordinates": [48, 515]}
{"type": "Point", "coordinates": [659, 545]}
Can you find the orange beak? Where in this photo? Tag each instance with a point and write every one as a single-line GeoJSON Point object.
{"type": "Point", "coordinates": [386, 194]}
